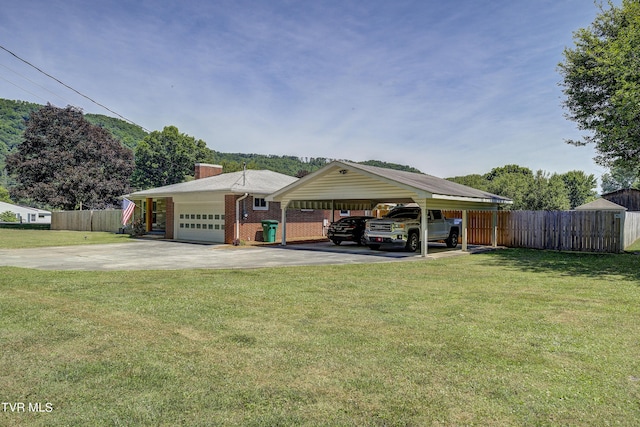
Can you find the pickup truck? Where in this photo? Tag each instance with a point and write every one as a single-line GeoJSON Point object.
{"type": "Point", "coordinates": [401, 228]}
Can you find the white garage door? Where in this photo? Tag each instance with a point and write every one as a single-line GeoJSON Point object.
{"type": "Point", "coordinates": [200, 222]}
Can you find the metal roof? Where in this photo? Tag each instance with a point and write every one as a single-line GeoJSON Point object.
{"type": "Point", "coordinates": [357, 183]}
{"type": "Point", "coordinates": [249, 181]}
{"type": "Point", "coordinates": [430, 183]}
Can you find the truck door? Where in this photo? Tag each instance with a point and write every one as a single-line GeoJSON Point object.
{"type": "Point", "coordinates": [437, 225]}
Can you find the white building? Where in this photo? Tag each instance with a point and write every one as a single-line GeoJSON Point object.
{"type": "Point", "coordinates": [27, 215]}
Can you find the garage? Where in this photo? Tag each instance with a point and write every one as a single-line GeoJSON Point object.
{"type": "Point", "coordinates": [197, 221]}
{"type": "Point", "coordinates": [352, 186]}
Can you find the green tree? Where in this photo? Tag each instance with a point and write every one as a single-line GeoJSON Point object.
{"type": "Point", "coordinates": [474, 181]}
{"type": "Point", "coordinates": [65, 162]}
{"type": "Point", "coordinates": [581, 188]}
{"type": "Point", "coordinates": [601, 82]}
{"type": "Point", "coordinates": [167, 157]}
{"type": "Point", "coordinates": [4, 195]}
{"type": "Point", "coordinates": [8, 216]}
{"type": "Point", "coordinates": [619, 178]}
{"type": "Point", "coordinates": [547, 192]}
{"type": "Point", "coordinates": [529, 191]}
{"type": "Point", "coordinates": [508, 170]}
{"type": "Point", "coordinates": [514, 186]}
{"type": "Point", "coordinates": [511, 181]}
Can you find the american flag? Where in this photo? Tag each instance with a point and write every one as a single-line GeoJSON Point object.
{"type": "Point", "coordinates": [127, 210]}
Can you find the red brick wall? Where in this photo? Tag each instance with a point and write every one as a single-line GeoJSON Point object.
{"type": "Point", "coordinates": [204, 170]}
{"type": "Point", "coordinates": [230, 217]}
{"type": "Point", "coordinates": [168, 233]}
{"type": "Point", "coordinates": [300, 224]}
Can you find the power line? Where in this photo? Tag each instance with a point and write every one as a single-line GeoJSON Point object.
{"type": "Point", "coordinates": [35, 84]}
{"type": "Point", "coordinates": [20, 87]}
{"type": "Point", "coordinates": [69, 87]}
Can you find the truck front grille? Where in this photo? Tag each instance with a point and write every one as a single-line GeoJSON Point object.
{"type": "Point", "coordinates": [379, 227]}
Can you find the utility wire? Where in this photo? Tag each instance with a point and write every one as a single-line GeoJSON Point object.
{"type": "Point", "coordinates": [20, 87]}
{"type": "Point", "coordinates": [69, 87]}
{"type": "Point", "coordinates": [35, 84]}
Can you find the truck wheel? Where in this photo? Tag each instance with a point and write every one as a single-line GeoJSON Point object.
{"type": "Point", "coordinates": [413, 242]}
{"type": "Point", "coordinates": [452, 240]}
{"type": "Point", "coordinates": [336, 241]}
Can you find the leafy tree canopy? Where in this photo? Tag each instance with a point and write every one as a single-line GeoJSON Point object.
{"type": "Point", "coordinates": [620, 178]}
{"type": "Point", "coordinates": [539, 191]}
{"type": "Point", "coordinates": [128, 134]}
{"type": "Point", "coordinates": [167, 157]}
{"type": "Point", "coordinates": [288, 165]}
{"type": "Point", "coordinates": [580, 188]}
{"type": "Point", "coordinates": [8, 216]}
{"type": "Point", "coordinates": [601, 82]}
{"type": "Point", "coordinates": [66, 162]}
{"type": "Point", "coordinates": [4, 195]}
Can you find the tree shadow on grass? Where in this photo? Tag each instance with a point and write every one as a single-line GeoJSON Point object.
{"type": "Point", "coordinates": [570, 263]}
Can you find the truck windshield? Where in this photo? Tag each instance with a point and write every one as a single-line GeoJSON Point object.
{"type": "Point", "coordinates": [404, 213]}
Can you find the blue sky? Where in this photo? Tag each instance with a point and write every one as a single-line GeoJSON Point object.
{"type": "Point", "coordinates": [449, 87]}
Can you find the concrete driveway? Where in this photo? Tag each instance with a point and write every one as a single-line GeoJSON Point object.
{"type": "Point", "coordinates": [169, 255]}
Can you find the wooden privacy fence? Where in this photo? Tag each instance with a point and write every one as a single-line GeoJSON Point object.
{"type": "Point", "coordinates": [584, 231]}
{"type": "Point", "coordinates": [103, 220]}
{"type": "Point", "coordinates": [631, 228]}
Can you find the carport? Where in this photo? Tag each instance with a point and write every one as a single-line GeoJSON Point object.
{"type": "Point", "coordinates": [352, 186]}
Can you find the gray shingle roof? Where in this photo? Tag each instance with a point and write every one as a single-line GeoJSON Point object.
{"type": "Point", "coordinates": [429, 183]}
{"type": "Point", "coordinates": [601, 205]}
{"type": "Point", "coordinates": [250, 181]}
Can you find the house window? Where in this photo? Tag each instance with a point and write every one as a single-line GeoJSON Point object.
{"type": "Point", "coordinates": [345, 213]}
{"type": "Point", "coordinates": [260, 204]}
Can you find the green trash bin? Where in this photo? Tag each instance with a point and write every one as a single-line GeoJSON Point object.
{"type": "Point", "coordinates": [269, 227]}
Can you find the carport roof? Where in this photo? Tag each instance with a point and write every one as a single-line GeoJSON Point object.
{"type": "Point", "coordinates": [358, 184]}
{"type": "Point", "coordinates": [250, 181]}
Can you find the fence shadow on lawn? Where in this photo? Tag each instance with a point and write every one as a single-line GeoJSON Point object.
{"type": "Point", "coordinates": [570, 263]}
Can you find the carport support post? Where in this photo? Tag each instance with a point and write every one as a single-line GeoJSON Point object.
{"type": "Point", "coordinates": [464, 230]}
{"type": "Point", "coordinates": [424, 217]}
{"type": "Point", "coordinates": [494, 229]}
{"type": "Point", "coordinates": [283, 222]}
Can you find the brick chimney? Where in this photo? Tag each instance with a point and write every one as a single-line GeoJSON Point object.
{"type": "Point", "coordinates": [204, 170]}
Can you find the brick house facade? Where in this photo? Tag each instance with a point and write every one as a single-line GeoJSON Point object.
{"type": "Point", "coordinates": [205, 209]}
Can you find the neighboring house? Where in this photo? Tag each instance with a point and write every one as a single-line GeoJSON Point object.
{"type": "Point", "coordinates": [629, 198]}
{"type": "Point", "coordinates": [601, 205]}
{"type": "Point", "coordinates": [27, 215]}
{"type": "Point", "coordinates": [223, 208]}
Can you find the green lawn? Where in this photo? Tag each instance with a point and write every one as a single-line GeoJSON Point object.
{"type": "Point", "coordinates": [513, 337]}
{"type": "Point", "coordinates": [635, 247]}
{"type": "Point", "coordinates": [14, 239]}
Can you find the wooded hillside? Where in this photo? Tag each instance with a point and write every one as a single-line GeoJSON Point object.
{"type": "Point", "coordinates": [14, 113]}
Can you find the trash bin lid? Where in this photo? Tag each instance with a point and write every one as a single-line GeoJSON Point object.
{"type": "Point", "coordinates": [269, 221]}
